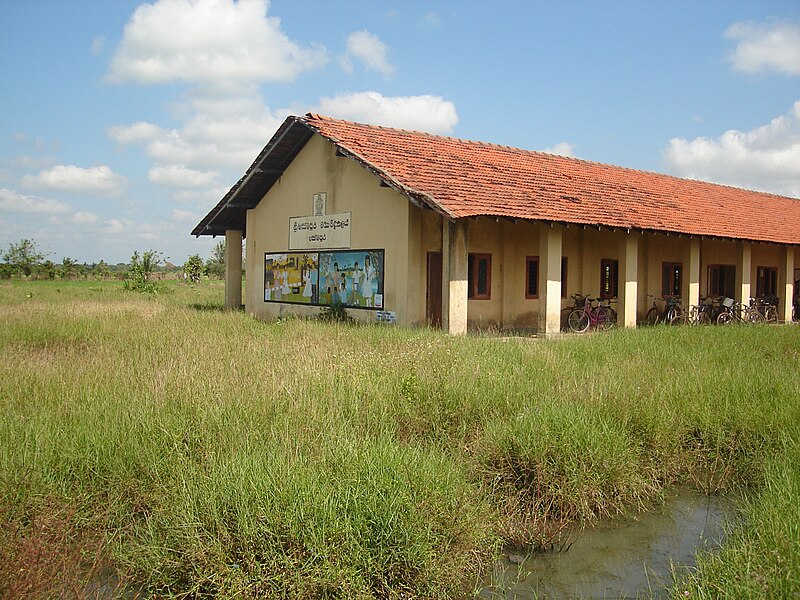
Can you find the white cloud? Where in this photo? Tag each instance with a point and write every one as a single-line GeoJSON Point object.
{"type": "Point", "coordinates": [135, 133]}
{"type": "Point", "coordinates": [119, 225]}
{"type": "Point", "coordinates": [98, 45]}
{"type": "Point", "coordinates": [83, 218]}
{"type": "Point", "coordinates": [431, 19]}
{"type": "Point", "coordinates": [370, 50]}
{"type": "Point", "coordinates": [206, 41]}
{"type": "Point", "coordinates": [14, 202]}
{"type": "Point", "coordinates": [179, 176]}
{"type": "Point", "coordinates": [204, 198]}
{"type": "Point", "coordinates": [562, 148]}
{"type": "Point", "coordinates": [184, 215]}
{"type": "Point", "coordinates": [766, 158]}
{"type": "Point", "coordinates": [433, 114]}
{"type": "Point", "coordinates": [94, 181]}
{"type": "Point", "coordinates": [219, 131]}
{"type": "Point", "coordinates": [766, 46]}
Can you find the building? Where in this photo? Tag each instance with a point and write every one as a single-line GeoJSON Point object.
{"type": "Point", "coordinates": [423, 229]}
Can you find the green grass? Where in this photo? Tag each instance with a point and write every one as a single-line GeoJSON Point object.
{"type": "Point", "coordinates": [203, 453]}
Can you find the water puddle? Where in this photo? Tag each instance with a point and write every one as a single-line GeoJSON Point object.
{"type": "Point", "coordinates": [636, 557]}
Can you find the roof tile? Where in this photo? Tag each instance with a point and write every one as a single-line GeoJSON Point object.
{"type": "Point", "coordinates": [466, 179]}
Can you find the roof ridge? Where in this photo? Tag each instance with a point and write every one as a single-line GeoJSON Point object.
{"type": "Point", "coordinates": [506, 147]}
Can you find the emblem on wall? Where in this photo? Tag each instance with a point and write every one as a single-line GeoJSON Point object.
{"type": "Point", "coordinates": [320, 199]}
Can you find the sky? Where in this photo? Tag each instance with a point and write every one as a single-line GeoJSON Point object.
{"type": "Point", "coordinates": [124, 122]}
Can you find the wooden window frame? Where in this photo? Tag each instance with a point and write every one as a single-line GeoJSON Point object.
{"type": "Point", "coordinates": [613, 283]}
{"type": "Point", "coordinates": [535, 296]}
{"type": "Point", "coordinates": [667, 282]}
{"type": "Point", "coordinates": [711, 280]}
{"type": "Point", "coordinates": [473, 270]}
{"type": "Point", "coordinates": [766, 288]}
{"type": "Point", "coordinates": [528, 261]}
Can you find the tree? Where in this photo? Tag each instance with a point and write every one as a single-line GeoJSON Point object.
{"type": "Point", "coordinates": [101, 270]}
{"type": "Point", "coordinates": [193, 268]}
{"type": "Point", "coordinates": [23, 256]}
{"type": "Point", "coordinates": [69, 268]}
{"type": "Point", "coordinates": [142, 267]}
{"type": "Point", "coordinates": [45, 270]}
{"type": "Point", "coordinates": [215, 266]}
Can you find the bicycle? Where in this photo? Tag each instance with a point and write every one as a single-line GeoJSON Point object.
{"type": "Point", "coordinates": [736, 312]}
{"type": "Point", "coordinates": [602, 316]}
{"type": "Point", "coordinates": [672, 313]}
{"type": "Point", "coordinates": [767, 307]}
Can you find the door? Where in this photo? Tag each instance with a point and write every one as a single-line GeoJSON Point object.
{"type": "Point", "coordinates": [433, 310]}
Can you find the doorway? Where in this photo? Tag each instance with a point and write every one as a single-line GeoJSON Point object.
{"type": "Point", "coordinates": [433, 303]}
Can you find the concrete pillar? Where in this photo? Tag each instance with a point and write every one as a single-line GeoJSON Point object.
{"type": "Point", "coordinates": [233, 269]}
{"type": "Point", "coordinates": [550, 244]}
{"type": "Point", "coordinates": [454, 276]}
{"type": "Point", "coordinates": [505, 266]}
{"type": "Point", "coordinates": [786, 284]}
{"type": "Point", "coordinates": [629, 278]}
{"type": "Point", "coordinates": [693, 275]}
{"type": "Point", "coordinates": [743, 272]}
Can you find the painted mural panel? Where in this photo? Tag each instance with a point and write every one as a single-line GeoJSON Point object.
{"type": "Point", "coordinates": [353, 278]}
{"type": "Point", "coordinates": [291, 277]}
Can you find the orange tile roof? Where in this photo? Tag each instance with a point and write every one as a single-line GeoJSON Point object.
{"type": "Point", "coordinates": [464, 179]}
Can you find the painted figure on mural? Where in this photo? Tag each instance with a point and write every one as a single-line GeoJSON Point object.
{"type": "Point", "coordinates": [336, 279]}
{"type": "Point", "coordinates": [356, 283]}
{"type": "Point", "coordinates": [366, 285]}
{"type": "Point", "coordinates": [307, 289]}
{"type": "Point", "coordinates": [286, 290]}
{"type": "Point", "coordinates": [343, 289]}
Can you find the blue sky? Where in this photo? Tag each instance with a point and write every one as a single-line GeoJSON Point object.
{"type": "Point", "coordinates": [125, 122]}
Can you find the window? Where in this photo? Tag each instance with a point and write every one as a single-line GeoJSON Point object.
{"type": "Point", "coordinates": [766, 282]}
{"type": "Point", "coordinates": [609, 278]}
{"type": "Point", "coordinates": [532, 277]}
{"type": "Point", "coordinates": [722, 280]}
{"type": "Point", "coordinates": [671, 279]}
{"type": "Point", "coordinates": [479, 276]}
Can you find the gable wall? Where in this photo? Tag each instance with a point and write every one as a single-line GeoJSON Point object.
{"type": "Point", "coordinates": [380, 219]}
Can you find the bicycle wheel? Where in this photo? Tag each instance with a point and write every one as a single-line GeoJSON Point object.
{"type": "Point", "coordinates": [679, 319]}
{"type": "Point", "coordinates": [653, 316]}
{"type": "Point", "coordinates": [704, 318]}
{"type": "Point", "coordinates": [724, 318]}
{"type": "Point", "coordinates": [578, 321]}
{"type": "Point", "coordinates": [771, 315]}
{"type": "Point", "coordinates": [606, 318]}
{"type": "Point", "coordinates": [752, 315]}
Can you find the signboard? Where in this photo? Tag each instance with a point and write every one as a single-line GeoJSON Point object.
{"type": "Point", "coordinates": [319, 231]}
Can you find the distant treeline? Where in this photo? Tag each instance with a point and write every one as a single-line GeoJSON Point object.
{"type": "Point", "coordinates": [24, 260]}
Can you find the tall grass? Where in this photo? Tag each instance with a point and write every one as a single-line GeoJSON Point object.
{"type": "Point", "coordinates": [203, 453]}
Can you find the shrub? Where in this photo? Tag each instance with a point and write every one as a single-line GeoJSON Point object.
{"type": "Point", "coordinates": [138, 278]}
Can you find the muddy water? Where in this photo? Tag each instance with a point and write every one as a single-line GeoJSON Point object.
{"type": "Point", "coordinates": [632, 558]}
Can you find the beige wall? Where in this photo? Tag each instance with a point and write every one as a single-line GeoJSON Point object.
{"type": "Point", "coordinates": [380, 218]}
{"type": "Point", "coordinates": [425, 235]}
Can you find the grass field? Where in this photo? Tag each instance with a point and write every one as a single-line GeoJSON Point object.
{"type": "Point", "coordinates": [162, 442]}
